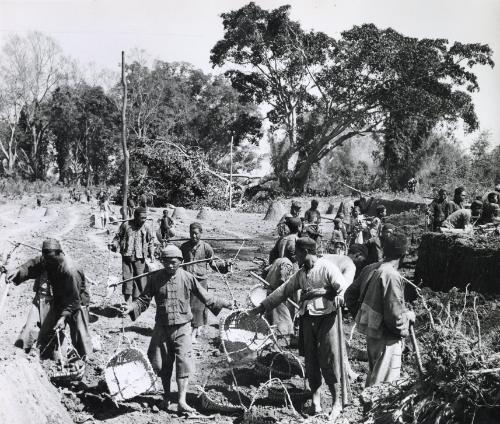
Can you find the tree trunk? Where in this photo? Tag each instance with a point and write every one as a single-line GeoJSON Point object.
{"type": "Point", "coordinates": [34, 152]}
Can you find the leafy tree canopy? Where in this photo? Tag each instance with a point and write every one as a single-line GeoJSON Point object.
{"type": "Point", "coordinates": [181, 104]}
{"type": "Point", "coordinates": [85, 124]}
{"type": "Point", "coordinates": [323, 91]}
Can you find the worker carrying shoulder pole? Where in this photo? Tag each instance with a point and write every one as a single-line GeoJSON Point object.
{"type": "Point", "coordinates": [318, 320]}
{"type": "Point", "coordinates": [135, 242]}
{"type": "Point", "coordinates": [70, 297]}
{"type": "Point", "coordinates": [172, 289]}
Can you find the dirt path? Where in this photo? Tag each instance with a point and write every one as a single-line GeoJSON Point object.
{"type": "Point", "coordinates": [88, 248]}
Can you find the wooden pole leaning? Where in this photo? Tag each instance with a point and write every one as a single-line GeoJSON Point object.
{"type": "Point", "coordinates": [253, 274]}
{"type": "Point", "coordinates": [344, 377]}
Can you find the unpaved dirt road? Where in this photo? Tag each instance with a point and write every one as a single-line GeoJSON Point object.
{"type": "Point", "coordinates": [86, 245]}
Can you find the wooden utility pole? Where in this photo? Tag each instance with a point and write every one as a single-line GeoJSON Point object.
{"type": "Point", "coordinates": [124, 142]}
{"type": "Point", "coordinates": [231, 177]}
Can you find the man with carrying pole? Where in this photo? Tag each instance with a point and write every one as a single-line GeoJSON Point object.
{"type": "Point", "coordinates": [135, 242]}
{"type": "Point", "coordinates": [172, 289]}
{"type": "Point", "coordinates": [319, 335]}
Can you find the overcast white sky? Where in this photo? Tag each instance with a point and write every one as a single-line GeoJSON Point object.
{"type": "Point", "coordinates": [185, 30]}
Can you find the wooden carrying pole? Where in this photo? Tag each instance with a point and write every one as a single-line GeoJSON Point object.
{"type": "Point", "coordinates": [344, 378]}
{"type": "Point", "coordinates": [124, 141]}
{"type": "Point", "coordinates": [354, 189]}
{"type": "Point", "coordinates": [253, 274]}
{"type": "Point", "coordinates": [209, 239]}
{"type": "Point", "coordinates": [199, 261]}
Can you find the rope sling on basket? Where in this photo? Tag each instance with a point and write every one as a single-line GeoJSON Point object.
{"type": "Point", "coordinates": [71, 368]}
{"type": "Point", "coordinates": [242, 334]}
{"type": "Point", "coordinates": [128, 372]}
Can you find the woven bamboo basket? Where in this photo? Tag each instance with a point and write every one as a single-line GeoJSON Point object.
{"type": "Point", "coordinates": [211, 405]}
{"type": "Point", "coordinates": [271, 370]}
{"type": "Point", "coordinates": [242, 334]}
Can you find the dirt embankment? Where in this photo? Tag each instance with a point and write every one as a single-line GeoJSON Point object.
{"type": "Point", "coordinates": [446, 261]}
{"type": "Point", "coordinates": [26, 395]}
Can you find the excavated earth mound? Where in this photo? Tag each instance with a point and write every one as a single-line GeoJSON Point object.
{"type": "Point", "coordinates": [446, 261]}
{"type": "Point", "coordinates": [180, 213]}
{"type": "Point", "coordinates": [26, 396]}
{"type": "Point", "coordinates": [275, 211]}
{"type": "Point", "coordinates": [393, 206]}
{"type": "Point", "coordinates": [204, 213]}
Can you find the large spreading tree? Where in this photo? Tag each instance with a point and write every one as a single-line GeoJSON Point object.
{"type": "Point", "coordinates": [323, 91]}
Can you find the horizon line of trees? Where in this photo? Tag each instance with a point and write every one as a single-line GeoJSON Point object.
{"type": "Point", "coordinates": [320, 93]}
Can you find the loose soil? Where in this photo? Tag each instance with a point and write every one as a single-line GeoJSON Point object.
{"type": "Point", "coordinates": [87, 400]}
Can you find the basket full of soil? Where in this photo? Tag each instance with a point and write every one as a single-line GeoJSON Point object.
{"type": "Point", "coordinates": [268, 415]}
{"type": "Point", "coordinates": [456, 260]}
{"type": "Point", "coordinates": [282, 365]}
{"type": "Point", "coordinates": [296, 390]}
{"type": "Point", "coordinates": [220, 398]}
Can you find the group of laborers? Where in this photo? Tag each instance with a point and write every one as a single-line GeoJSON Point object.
{"type": "Point", "coordinates": [454, 215]}
{"type": "Point", "coordinates": [181, 297]}
{"type": "Point", "coordinates": [319, 285]}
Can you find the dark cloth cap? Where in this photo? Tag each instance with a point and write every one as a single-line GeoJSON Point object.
{"type": "Point", "coordinates": [195, 225]}
{"type": "Point", "coordinates": [442, 191]}
{"type": "Point", "coordinates": [140, 210]}
{"type": "Point", "coordinates": [395, 245]}
{"type": "Point", "coordinates": [358, 248]}
{"type": "Point", "coordinates": [171, 251]}
{"type": "Point", "coordinates": [296, 204]}
{"type": "Point", "coordinates": [51, 244]}
{"type": "Point", "coordinates": [293, 223]}
{"type": "Point", "coordinates": [476, 204]}
{"type": "Point", "coordinates": [305, 243]}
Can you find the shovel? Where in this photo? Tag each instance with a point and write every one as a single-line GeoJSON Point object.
{"type": "Point", "coordinates": [417, 350]}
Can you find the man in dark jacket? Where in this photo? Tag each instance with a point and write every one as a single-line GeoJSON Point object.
{"type": "Point", "coordinates": [135, 241]}
{"type": "Point", "coordinates": [70, 297]}
{"type": "Point", "coordinates": [383, 317]}
{"type": "Point", "coordinates": [439, 210]}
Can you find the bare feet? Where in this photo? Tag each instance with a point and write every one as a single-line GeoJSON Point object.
{"type": "Point", "coordinates": [336, 410]}
{"type": "Point", "coordinates": [184, 407]}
